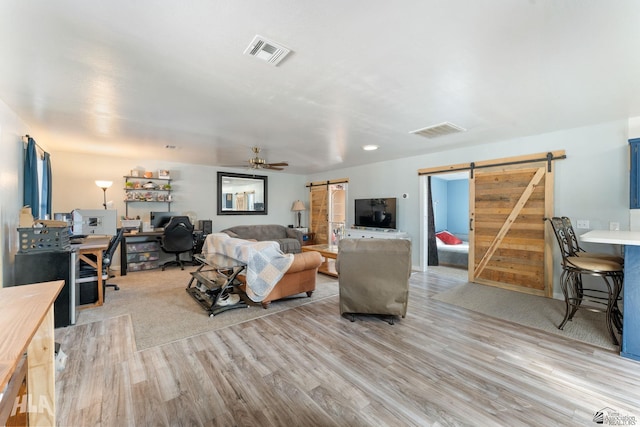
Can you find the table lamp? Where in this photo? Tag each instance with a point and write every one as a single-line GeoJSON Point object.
{"type": "Point", "coordinates": [298, 206]}
{"type": "Point", "coordinates": [104, 185]}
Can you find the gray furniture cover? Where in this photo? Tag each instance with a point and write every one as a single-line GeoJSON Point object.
{"type": "Point", "coordinates": [373, 276]}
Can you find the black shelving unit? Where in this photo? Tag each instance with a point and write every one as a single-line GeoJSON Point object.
{"type": "Point", "coordinates": [146, 195]}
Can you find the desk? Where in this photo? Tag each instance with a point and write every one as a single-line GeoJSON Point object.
{"type": "Point", "coordinates": [26, 324]}
{"type": "Point", "coordinates": [94, 246]}
{"type": "Point", "coordinates": [631, 292]}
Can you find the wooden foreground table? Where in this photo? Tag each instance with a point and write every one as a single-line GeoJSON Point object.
{"type": "Point", "coordinates": [27, 326]}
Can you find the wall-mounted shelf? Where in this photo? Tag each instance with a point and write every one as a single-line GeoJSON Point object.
{"type": "Point", "coordinates": [136, 192]}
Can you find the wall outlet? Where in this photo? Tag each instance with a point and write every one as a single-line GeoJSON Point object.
{"type": "Point", "coordinates": [582, 223]}
{"type": "Point", "coordinates": [614, 226]}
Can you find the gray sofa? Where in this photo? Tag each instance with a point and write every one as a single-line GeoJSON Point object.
{"type": "Point", "coordinates": [289, 239]}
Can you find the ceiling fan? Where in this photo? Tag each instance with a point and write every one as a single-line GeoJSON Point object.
{"type": "Point", "coordinates": [258, 162]}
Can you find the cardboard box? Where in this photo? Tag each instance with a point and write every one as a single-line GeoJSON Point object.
{"type": "Point", "coordinates": [26, 217]}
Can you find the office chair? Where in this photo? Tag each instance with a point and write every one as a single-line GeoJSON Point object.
{"type": "Point", "coordinates": [108, 255]}
{"type": "Point", "coordinates": [87, 271]}
{"type": "Point", "coordinates": [177, 239]}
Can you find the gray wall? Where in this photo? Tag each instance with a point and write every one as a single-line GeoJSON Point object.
{"type": "Point", "coordinates": [193, 189]}
{"type": "Point", "coordinates": [592, 183]}
{"type": "Point", "coordinates": [11, 131]}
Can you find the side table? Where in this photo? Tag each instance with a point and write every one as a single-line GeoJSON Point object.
{"type": "Point", "coordinates": [308, 239]}
{"type": "Point", "coordinates": [214, 277]}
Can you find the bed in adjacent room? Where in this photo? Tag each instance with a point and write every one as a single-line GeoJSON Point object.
{"type": "Point", "coordinates": [453, 249]}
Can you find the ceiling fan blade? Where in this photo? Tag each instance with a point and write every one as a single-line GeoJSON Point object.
{"type": "Point", "coordinates": [278, 164]}
{"type": "Point", "coordinates": [272, 167]}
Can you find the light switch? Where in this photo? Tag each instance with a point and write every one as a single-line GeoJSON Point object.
{"type": "Point", "coordinates": [582, 223]}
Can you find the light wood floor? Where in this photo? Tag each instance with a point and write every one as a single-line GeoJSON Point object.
{"type": "Point", "coordinates": [441, 365]}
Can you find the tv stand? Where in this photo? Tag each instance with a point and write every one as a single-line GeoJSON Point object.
{"type": "Point", "coordinates": [374, 233]}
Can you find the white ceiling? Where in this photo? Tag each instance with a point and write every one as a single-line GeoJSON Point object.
{"type": "Point", "coordinates": [127, 78]}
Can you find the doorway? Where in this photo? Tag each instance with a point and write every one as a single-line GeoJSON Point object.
{"type": "Point", "coordinates": [450, 202]}
{"type": "Point", "coordinates": [328, 210]}
{"type": "Point", "coordinates": [509, 243]}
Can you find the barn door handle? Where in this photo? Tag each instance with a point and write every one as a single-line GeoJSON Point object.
{"type": "Point", "coordinates": [470, 224]}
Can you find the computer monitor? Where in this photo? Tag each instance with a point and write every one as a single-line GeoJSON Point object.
{"type": "Point", "coordinates": [99, 222]}
{"type": "Point", "coordinates": [160, 219]}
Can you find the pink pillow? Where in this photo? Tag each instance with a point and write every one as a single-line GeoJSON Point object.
{"type": "Point", "coordinates": [448, 238]}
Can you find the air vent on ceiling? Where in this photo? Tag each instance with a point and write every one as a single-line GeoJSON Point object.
{"type": "Point", "coordinates": [441, 129]}
{"type": "Point", "coordinates": [267, 50]}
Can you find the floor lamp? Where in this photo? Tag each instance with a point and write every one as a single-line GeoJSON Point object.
{"type": "Point", "coordinates": [104, 185]}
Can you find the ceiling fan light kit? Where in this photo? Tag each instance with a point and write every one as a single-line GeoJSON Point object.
{"type": "Point", "coordinates": [258, 162]}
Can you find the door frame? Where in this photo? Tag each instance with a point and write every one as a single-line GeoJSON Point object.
{"type": "Point", "coordinates": [423, 174]}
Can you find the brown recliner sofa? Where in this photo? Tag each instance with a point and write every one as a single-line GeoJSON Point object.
{"type": "Point", "coordinates": [373, 276]}
{"type": "Point", "coordinates": [299, 278]}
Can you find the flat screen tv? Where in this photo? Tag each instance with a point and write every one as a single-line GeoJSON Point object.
{"type": "Point", "coordinates": [376, 213]}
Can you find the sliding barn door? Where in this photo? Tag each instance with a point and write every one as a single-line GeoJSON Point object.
{"type": "Point", "coordinates": [328, 211]}
{"type": "Point", "coordinates": [319, 212]}
{"type": "Point", "coordinates": [507, 227]}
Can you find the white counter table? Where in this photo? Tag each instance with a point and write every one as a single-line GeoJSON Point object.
{"type": "Point", "coordinates": [631, 293]}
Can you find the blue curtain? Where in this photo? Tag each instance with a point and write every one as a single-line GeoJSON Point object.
{"type": "Point", "coordinates": [46, 185]}
{"type": "Point", "coordinates": [31, 190]}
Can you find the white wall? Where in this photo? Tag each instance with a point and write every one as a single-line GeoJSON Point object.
{"type": "Point", "coordinates": [193, 189]}
{"type": "Point", "coordinates": [11, 131]}
{"type": "Point", "coordinates": [591, 183]}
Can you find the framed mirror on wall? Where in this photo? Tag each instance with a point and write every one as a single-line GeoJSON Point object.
{"type": "Point", "coordinates": [242, 194]}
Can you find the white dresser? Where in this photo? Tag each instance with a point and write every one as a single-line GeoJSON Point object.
{"type": "Point", "coordinates": [358, 233]}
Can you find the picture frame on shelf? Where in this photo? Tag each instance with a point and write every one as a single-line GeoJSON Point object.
{"type": "Point", "coordinates": [164, 174]}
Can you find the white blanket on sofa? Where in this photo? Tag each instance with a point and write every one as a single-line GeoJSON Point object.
{"type": "Point", "coordinates": [266, 263]}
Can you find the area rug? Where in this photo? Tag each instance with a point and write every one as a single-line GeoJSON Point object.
{"type": "Point", "coordinates": [529, 310]}
{"type": "Point", "coordinates": [161, 311]}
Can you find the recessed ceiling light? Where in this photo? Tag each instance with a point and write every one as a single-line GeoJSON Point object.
{"type": "Point", "coordinates": [369, 147]}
